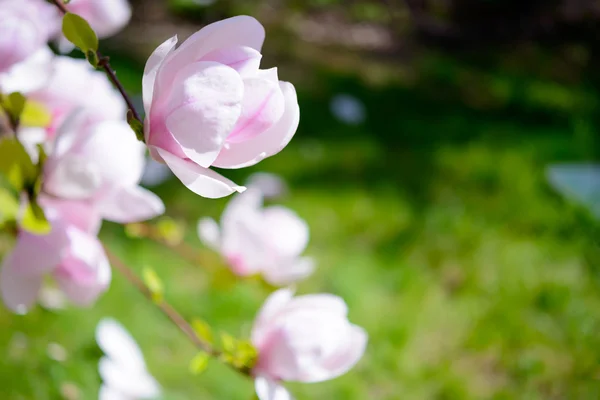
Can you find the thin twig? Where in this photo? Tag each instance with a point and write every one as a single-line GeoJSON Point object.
{"type": "Point", "coordinates": [165, 307]}
{"type": "Point", "coordinates": [104, 63]}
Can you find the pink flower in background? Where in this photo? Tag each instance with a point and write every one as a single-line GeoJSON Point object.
{"type": "Point", "coordinates": [29, 75]}
{"type": "Point", "coordinates": [102, 164]}
{"type": "Point", "coordinates": [208, 104]}
{"type": "Point", "coordinates": [25, 27]}
{"type": "Point", "coordinates": [75, 85]}
{"type": "Point", "coordinates": [123, 369]}
{"type": "Point", "coordinates": [305, 339]}
{"type": "Point", "coordinates": [106, 17]}
{"type": "Point", "coordinates": [260, 240]}
{"type": "Point", "coordinates": [70, 253]}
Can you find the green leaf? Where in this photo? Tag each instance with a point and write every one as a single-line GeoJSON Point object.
{"type": "Point", "coordinates": [154, 284]}
{"type": "Point", "coordinates": [203, 330]}
{"type": "Point", "coordinates": [9, 206]}
{"type": "Point", "coordinates": [35, 115]}
{"type": "Point", "coordinates": [92, 58]}
{"type": "Point", "coordinates": [228, 342]}
{"type": "Point", "coordinates": [34, 220]}
{"type": "Point", "coordinates": [136, 126]}
{"type": "Point", "coordinates": [199, 363]}
{"type": "Point", "coordinates": [13, 104]}
{"type": "Point", "coordinates": [16, 165]}
{"type": "Point", "coordinates": [79, 32]}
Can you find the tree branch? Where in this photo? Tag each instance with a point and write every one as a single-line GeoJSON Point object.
{"type": "Point", "coordinates": [104, 63]}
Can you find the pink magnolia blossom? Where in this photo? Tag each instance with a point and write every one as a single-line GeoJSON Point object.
{"type": "Point", "coordinates": [208, 104]}
{"type": "Point", "coordinates": [29, 75]}
{"type": "Point", "coordinates": [70, 253]}
{"type": "Point", "coordinates": [256, 239]}
{"type": "Point", "coordinates": [75, 85]}
{"type": "Point", "coordinates": [102, 164]}
{"type": "Point", "coordinates": [305, 339]}
{"type": "Point", "coordinates": [25, 27]}
{"type": "Point", "coordinates": [106, 17]}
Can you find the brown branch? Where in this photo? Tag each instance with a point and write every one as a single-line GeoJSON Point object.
{"type": "Point", "coordinates": [104, 63]}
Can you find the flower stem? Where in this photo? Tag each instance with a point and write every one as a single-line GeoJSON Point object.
{"type": "Point", "coordinates": [104, 63]}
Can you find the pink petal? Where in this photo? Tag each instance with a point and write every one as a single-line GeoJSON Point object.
{"type": "Point", "coordinates": [204, 106]}
{"type": "Point", "coordinates": [354, 351]}
{"type": "Point", "coordinates": [79, 213]}
{"type": "Point", "coordinates": [201, 181]}
{"type": "Point", "coordinates": [287, 232]}
{"type": "Point", "coordinates": [19, 292]}
{"type": "Point", "coordinates": [262, 107]}
{"type": "Point", "coordinates": [289, 271]}
{"type": "Point", "coordinates": [254, 150]}
{"type": "Point", "coordinates": [245, 60]}
{"type": "Point", "coordinates": [323, 302]}
{"type": "Point", "coordinates": [152, 66]}
{"type": "Point", "coordinates": [276, 302]}
{"type": "Point", "coordinates": [130, 204]}
{"type": "Point", "coordinates": [232, 32]}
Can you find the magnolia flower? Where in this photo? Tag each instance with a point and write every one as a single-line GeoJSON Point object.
{"type": "Point", "coordinates": [29, 75]}
{"type": "Point", "coordinates": [106, 17]}
{"type": "Point", "coordinates": [75, 85]}
{"type": "Point", "coordinates": [123, 370]}
{"type": "Point", "coordinates": [261, 240]}
{"type": "Point", "coordinates": [102, 164]}
{"type": "Point", "coordinates": [304, 339]}
{"type": "Point", "coordinates": [70, 253]}
{"type": "Point", "coordinates": [208, 104]}
{"type": "Point", "coordinates": [25, 27]}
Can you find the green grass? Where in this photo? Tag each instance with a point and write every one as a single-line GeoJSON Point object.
{"type": "Point", "coordinates": [432, 220]}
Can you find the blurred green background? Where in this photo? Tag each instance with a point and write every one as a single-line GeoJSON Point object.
{"type": "Point", "coordinates": [432, 218]}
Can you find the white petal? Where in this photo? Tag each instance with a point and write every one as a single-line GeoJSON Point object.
{"type": "Point", "coordinates": [108, 393]}
{"type": "Point", "coordinates": [118, 345]}
{"type": "Point", "coordinates": [290, 271]}
{"type": "Point", "coordinates": [267, 389]}
{"type": "Point", "coordinates": [274, 303]}
{"type": "Point", "coordinates": [130, 204]}
{"type": "Point", "coordinates": [287, 232]}
{"type": "Point", "coordinates": [133, 383]}
{"type": "Point", "coordinates": [152, 66]}
{"type": "Point", "coordinates": [209, 233]}
{"type": "Point", "coordinates": [201, 181]}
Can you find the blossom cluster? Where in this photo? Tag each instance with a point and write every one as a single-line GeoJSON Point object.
{"type": "Point", "coordinates": [207, 104]}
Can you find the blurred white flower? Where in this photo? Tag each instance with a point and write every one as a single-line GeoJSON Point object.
{"type": "Point", "coordinates": [260, 240]}
{"type": "Point", "coordinates": [348, 109]}
{"type": "Point", "coordinates": [577, 182]}
{"type": "Point", "coordinates": [123, 369]}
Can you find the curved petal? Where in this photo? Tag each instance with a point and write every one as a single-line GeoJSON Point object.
{"type": "Point", "coordinates": [245, 60]}
{"type": "Point", "coordinates": [107, 17]}
{"type": "Point", "coordinates": [30, 74]}
{"type": "Point", "coordinates": [133, 383]}
{"type": "Point", "coordinates": [19, 292]}
{"type": "Point", "coordinates": [209, 233]}
{"type": "Point", "coordinates": [206, 104]}
{"type": "Point", "coordinates": [73, 177]}
{"type": "Point", "coordinates": [130, 204]}
{"type": "Point", "coordinates": [346, 360]}
{"type": "Point", "coordinates": [152, 67]}
{"type": "Point", "coordinates": [287, 232]}
{"type": "Point", "coordinates": [232, 32]}
{"type": "Point", "coordinates": [276, 302]}
{"type": "Point", "coordinates": [262, 107]}
{"type": "Point", "coordinates": [290, 271]}
{"type": "Point", "coordinates": [201, 181]}
{"type": "Point", "coordinates": [323, 302]}
{"type": "Point", "coordinates": [254, 150]}
{"type": "Point", "coordinates": [118, 345]}
{"type": "Point", "coordinates": [268, 389]}
{"type": "Point", "coordinates": [81, 214]}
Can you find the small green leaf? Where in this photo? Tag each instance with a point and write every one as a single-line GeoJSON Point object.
{"type": "Point", "coordinates": [203, 330]}
{"type": "Point", "coordinates": [228, 342]}
{"type": "Point", "coordinates": [79, 32]}
{"type": "Point", "coordinates": [154, 284]}
{"type": "Point", "coordinates": [9, 206]}
{"type": "Point", "coordinates": [199, 363]}
{"type": "Point", "coordinates": [92, 58]}
{"type": "Point", "coordinates": [136, 126]}
{"type": "Point", "coordinates": [35, 115]}
{"type": "Point", "coordinates": [13, 104]}
{"type": "Point", "coordinates": [16, 165]}
{"type": "Point", "coordinates": [34, 220]}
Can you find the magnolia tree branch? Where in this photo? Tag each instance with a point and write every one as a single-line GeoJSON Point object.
{"type": "Point", "coordinates": [104, 63]}
{"type": "Point", "coordinates": [167, 309]}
